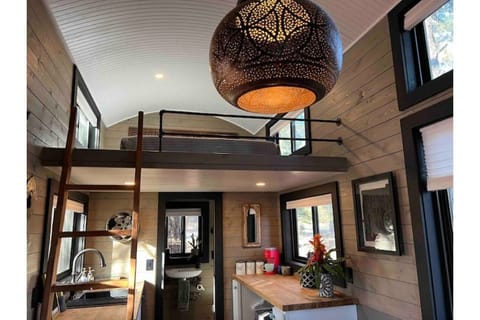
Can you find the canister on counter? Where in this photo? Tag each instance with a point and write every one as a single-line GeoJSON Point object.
{"type": "Point", "coordinates": [240, 267]}
{"type": "Point", "coordinates": [259, 267]}
{"type": "Point", "coordinates": [250, 267]}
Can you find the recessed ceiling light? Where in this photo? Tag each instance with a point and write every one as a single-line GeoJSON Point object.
{"type": "Point", "coordinates": [129, 183]}
{"type": "Point", "coordinates": [260, 184]}
{"type": "Point", "coordinates": [159, 76]}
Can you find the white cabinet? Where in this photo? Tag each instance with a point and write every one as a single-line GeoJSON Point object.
{"type": "Point", "coordinates": [245, 301]}
{"type": "Point", "coordinates": [329, 313]}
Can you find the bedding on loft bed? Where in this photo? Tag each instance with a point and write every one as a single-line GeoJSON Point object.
{"type": "Point", "coordinates": [202, 145]}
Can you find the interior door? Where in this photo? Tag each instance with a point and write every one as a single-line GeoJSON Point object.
{"type": "Point", "coordinates": [176, 225]}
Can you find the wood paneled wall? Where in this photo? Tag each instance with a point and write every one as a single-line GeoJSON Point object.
{"type": "Point", "coordinates": [365, 99]}
{"type": "Point", "coordinates": [49, 82]}
{"type": "Point", "coordinates": [104, 205]}
{"type": "Point", "coordinates": [112, 135]}
{"type": "Point", "coordinates": [232, 234]}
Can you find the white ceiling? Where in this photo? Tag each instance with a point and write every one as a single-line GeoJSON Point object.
{"type": "Point", "coordinates": [192, 180]}
{"type": "Point", "coordinates": [119, 45]}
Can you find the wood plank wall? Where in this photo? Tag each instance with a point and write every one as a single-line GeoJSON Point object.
{"type": "Point", "coordinates": [232, 234]}
{"type": "Point", "coordinates": [112, 135]}
{"type": "Point", "coordinates": [49, 80]}
{"type": "Point", "coordinates": [365, 99]}
{"type": "Point", "coordinates": [104, 205]}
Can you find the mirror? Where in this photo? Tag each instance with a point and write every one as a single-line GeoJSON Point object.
{"type": "Point", "coordinates": [252, 236]}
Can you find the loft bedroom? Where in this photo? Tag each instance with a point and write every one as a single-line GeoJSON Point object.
{"type": "Point", "coordinates": [199, 151]}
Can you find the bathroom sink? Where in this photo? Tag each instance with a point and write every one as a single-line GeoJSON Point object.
{"type": "Point", "coordinates": [183, 273]}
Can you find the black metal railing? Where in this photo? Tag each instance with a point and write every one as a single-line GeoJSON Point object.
{"type": "Point", "coordinates": [161, 133]}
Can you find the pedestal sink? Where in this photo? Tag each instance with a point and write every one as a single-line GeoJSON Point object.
{"type": "Point", "coordinates": [183, 273]}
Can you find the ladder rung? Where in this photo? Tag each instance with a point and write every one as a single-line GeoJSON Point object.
{"type": "Point", "coordinates": [99, 187]}
{"type": "Point", "coordinates": [95, 233]}
{"type": "Point", "coordinates": [105, 284]}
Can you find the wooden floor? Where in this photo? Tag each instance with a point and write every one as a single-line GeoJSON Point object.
{"type": "Point", "coordinates": [117, 312]}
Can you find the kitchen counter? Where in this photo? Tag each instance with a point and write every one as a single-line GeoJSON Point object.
{"type": "Point", "coordinates": [286, 293]}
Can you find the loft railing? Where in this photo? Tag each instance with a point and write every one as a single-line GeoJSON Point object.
{"type": "Point", "coordinates": [337, 121]}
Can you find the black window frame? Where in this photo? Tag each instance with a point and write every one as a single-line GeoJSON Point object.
{"type": "Point", "coordinates": [410, 61]}
{"type": "Point", "coordinates": [203, 233]}
{"type": "Point", "coordinates": [80, 84]}
{"type": "Point", "coordinates": [307, 148]}
{"type": "Point", "coordinates": [290, 254]}
{"type": "Point", "coordinates": [430, 242]}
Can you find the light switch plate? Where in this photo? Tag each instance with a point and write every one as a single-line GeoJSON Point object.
{"type": "Point", "coordinates": [149, 264]}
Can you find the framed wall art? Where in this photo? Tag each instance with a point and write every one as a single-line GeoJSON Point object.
{"type": "Point", "coordinates": [376, 214]}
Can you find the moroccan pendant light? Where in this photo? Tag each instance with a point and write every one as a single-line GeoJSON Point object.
{"type": "Point", "coordinates": [275, 56]}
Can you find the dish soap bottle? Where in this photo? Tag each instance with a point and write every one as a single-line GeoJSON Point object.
{"type": "Point", "coordinates": [90, 277]}
{"type": "Point", "coordinates": [83, 276]}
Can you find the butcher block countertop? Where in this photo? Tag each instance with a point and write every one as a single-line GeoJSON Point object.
{"type": "Point", "coordinates": [286, 293]}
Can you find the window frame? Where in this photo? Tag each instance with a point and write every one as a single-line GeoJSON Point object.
{"type": "Point", "coordinates": [183, 258]}
{"type": "Point", "coordinates": [410, 61]}
{"type": "Point", "coordinates": [289, 227]}
{"type": "Point", "coordinates": [80, 84]}
{"type": "Point", "coordinates": [307, 148]}
{"type": "Point", "coordinates": [436, 298]}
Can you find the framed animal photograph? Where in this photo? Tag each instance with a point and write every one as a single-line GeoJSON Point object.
{"type": "Point", "coordinates": [376, 214]}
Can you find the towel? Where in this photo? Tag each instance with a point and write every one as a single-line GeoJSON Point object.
{"type": "Point", "coordinates": [183, 298]}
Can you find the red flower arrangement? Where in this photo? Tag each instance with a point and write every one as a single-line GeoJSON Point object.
{"type": "Point", "coordinates": [320, 261]}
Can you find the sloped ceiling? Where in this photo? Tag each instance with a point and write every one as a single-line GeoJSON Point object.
{"type": "Point", "coordinates": [119, 46]}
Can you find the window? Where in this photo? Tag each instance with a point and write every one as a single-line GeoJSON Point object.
{"type": "Point", "coordinates": [88, 116]}
{"type": "Point", "coordinates": [75, 219]}
{"type": "Point", "coordinates": [183, 225]}
{"type": "Point", "coordinates": [422, 48]}
{"type": "Point", "coordinates": [308, 212]}
{"type": "Point", "coordinates": [284, 132]}
{"type": "Point", "coordinates": [186, 223]}
{"type": "Point", "coordinates": [427, 148]}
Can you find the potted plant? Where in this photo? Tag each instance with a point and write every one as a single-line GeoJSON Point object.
{"type": "Point", "coordinates": [194, 253]}
{"type": "Point", "coordinates": [320, 268]}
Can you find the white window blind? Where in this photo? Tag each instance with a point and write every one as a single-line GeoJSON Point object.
{"type": "Point", "coordinates": [183, 212]}
{"type": "Point", "coordinates": [438, 150]}
{"type": "Point", "coordinates": [420, 12]}
{"type": "Point", "coordinates": [71, 205]}
{"type": "Point", "coordinates": [324, 199]}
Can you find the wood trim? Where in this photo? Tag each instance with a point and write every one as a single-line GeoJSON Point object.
{"type": "Point", "coordinates": [183, 160]}
{"type": "Point", "coordinates": [95, 233]}
{"type": "Point", "coordinates": [51, 275]}
{"type": "Point", "coordinates": [135, 213]}
{"type": "Point", "coordinates": [423, 225]}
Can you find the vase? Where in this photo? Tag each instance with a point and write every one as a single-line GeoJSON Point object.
{"type": "Point", "coordinates": [307, 280]}
{"type": "Point", "coordinates": [326, 285]}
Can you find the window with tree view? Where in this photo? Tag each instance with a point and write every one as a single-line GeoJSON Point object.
{"type": "Point", "coordinates": [439, 40]}
{"type": "Point", "coordinates": [311, 216]}
{"type": "Point", "coordinates": [421, 34]}
{"type": "Point", "coordinates": [182, 226]}
{"type": "Point", "coordinates": [290, 135]}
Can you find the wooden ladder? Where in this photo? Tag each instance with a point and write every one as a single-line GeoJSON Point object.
{"type": "Point", "coordinates": [64, 187]}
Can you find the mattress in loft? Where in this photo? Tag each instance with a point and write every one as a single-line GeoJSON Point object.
{"type": "Point", "coordinates": [202, 145]}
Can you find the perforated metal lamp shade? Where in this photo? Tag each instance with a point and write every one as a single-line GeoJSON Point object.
{"type": "Point", "coordinates": [275, 56]}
